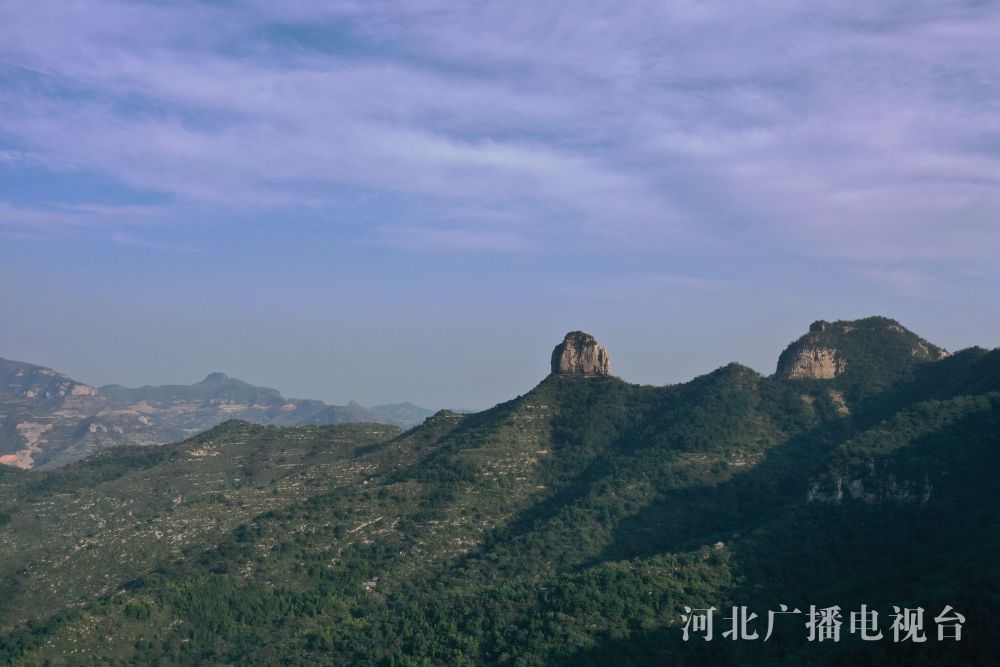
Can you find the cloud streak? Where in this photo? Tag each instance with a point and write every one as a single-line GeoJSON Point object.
{"type": "Point", "coordinates": [861, 131]}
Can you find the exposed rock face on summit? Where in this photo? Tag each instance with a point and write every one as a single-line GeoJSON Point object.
{"type": "Point", "coordinates": [579, 355]}
{"type": "Point", "coordinates": [818, 363]}
{"type": "Point", "coordinates": [874, 346]}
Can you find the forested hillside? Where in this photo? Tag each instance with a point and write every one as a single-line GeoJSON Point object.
{"type": "Point", "coordinates": [570, 525]}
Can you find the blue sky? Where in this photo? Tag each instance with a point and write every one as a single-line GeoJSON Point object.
{"type": "Point", "coordinates": [392, 201]}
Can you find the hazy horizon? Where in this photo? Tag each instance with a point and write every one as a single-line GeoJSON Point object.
{"type": "Point", "coordinates": [415, 201]}
{"type": "Point", "coordinates": [634, 373]}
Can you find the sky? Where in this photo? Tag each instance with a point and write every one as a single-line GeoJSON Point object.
{"type": "Point", "coordinates": [415, 200]}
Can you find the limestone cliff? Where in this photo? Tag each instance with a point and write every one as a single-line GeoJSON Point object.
{"type": "Point", "coordinates": [579, 355]}
{"type": "Point", "coordinates": [818, 363]}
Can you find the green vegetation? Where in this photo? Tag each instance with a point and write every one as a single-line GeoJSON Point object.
{"type": "Point", "coordinates": [873, 354]}
{"type": "Point", "coordinates": [568, 526]}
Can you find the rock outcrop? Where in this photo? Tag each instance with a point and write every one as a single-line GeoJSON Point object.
{"type": "Point", "coordinates": [817, 363]}
{"type": "Point", "coordinates": [872, 482]}
{"type": "Point", "coordinates": [579, 355]}
{"type": "Point", "coordinates": [876, 347]}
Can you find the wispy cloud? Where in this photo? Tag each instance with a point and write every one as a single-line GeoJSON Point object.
{"type": "Point", "coordinates": [862, 131]}
{"type": "Point", "coordinates": [129, 239]}
{"type": "Point", "coordinates": [905, 282]}
{"type": "Point", "coordinates": [49, 217]}
{"type": "Point", "coordinates": [642, 286]}
{"type": "Point", "coordinates": [451, 239]}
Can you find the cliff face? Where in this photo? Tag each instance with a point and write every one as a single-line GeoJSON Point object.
{"type": "Point", "coordinates": [819, 363]}
{"type": "Point", "coordinates": [27, 382]}
{"type": "Point", "coordinates": [579, 355]}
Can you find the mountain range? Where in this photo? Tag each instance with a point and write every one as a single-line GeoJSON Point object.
{"type": "Point", "coordinates": [575, 524]}
{"type": "Point", "coordinates": [48, 419]}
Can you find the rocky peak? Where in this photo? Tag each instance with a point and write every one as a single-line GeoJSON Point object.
{"type": "Point", "coordinates": [831, 349]}
{"type": "Point", "coordinates": [579, 355]}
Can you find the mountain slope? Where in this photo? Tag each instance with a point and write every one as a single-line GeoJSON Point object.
{"type": "Point", "coordinates": [48, 420]}
{"type": "Point", "coordinates": [569, 525]}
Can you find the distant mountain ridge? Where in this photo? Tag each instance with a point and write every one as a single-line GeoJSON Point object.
{"type": "Point", "coordinates": [215, 386]}
{"type": "Point", "coordinates": [48, 419]}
